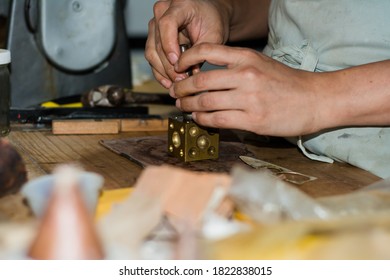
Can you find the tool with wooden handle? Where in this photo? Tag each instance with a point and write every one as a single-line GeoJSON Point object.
{"type": "Point", "coordinates": [115, 96]}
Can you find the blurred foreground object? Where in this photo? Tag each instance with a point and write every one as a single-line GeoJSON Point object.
{"type": "Point", "coordinates": [365, 237]}
{"type": "Point", "coordinates": [15, 237]}
{"type": "Point", "coordinates": [125, 227]}
{"type": "Point", "coordinates": [185, 195]}
{"type": "Point", "coordinates": [67, 230]}
{"type": "Point", "coordinates": [38, 191]}
{"type": "Point", "coordinates": [165, 215]}
{"type": "Point", "coordinates": [14, 209]}
{"type": "Point", "coordinates": [13, 172]}
{"type": "Point", "coordinates": [267, 199]}
{"type": "Point", "coordinates": [288, 224]}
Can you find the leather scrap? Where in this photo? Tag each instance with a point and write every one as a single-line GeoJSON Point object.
{"type": "Point", "coordinates": [152, 150]}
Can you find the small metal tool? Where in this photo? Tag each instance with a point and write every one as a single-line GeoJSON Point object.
{"type": "Point", "coordinates": [187, 140]}
{"type": "Point", "coordinates": [115, 96]}
{"type": "Point", "coordinates": [281, 172]}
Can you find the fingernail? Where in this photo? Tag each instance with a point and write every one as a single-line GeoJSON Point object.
{"type": "Point", "coordinates": [178, 103]}
{"type": "Point", "coordinates": [179, 78]}
{"type": "Point", "coordinates": [166, 83]}
{"type": "Point", "coordinates": [172, 57]}
{"type": "Point", "coordinates": [193, 115]}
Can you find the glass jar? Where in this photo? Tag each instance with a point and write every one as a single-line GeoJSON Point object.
{"type": "Point", "coordinates": [5, 94]}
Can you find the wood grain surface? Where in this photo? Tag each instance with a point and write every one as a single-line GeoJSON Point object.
{"type": "Point", "coordinates": [42, 152]}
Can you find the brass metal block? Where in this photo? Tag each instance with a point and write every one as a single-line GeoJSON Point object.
{"type": "Point", "coordinates": [188, 141]}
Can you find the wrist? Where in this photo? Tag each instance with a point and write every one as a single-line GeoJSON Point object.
{"type": "Point", "coordinates": [225, 10]}
{"type": "Point", "coordinates": [319, 107]}
{"type": "Point", "coordinates": [248, 19]}
{"type": "Point", "coordinates": [333, 104]}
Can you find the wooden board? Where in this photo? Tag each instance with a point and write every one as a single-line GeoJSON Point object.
{"type": "Point", "coordinates": [153, 151]}
{"type": "Point", "coordinates": [85, 126]}
{"type": "Point", "coordinates": [144, 125]}
{"type": "Point", "coordinates": [108, 126]}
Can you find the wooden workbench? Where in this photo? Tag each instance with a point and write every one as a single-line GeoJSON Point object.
{"type": "Point", "coordinates": [42, 151]}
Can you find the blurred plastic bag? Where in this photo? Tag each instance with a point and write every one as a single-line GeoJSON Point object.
{"type": "Point", "coordinates": [370, 199]}
{"type": "Point", "coordinates": [267, 199]}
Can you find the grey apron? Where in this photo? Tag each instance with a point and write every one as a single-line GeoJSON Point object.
{"type": "Point", "coordinates": [329, 35]}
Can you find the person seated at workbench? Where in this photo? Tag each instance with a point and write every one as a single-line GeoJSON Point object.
{"type": "Point", "coordinates": [322, 79]}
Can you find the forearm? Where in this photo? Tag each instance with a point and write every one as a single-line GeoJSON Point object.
{"type": "Point", "coordinates": [358, 96]}
{"type": "Point", "coordinates": [248, 18]}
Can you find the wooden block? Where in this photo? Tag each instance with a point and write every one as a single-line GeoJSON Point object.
{"type": "Point", "coordinates": [128, 125]}
{"type": "Point", "coordinates": [85, 126]}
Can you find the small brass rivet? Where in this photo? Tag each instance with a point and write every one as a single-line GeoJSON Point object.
{"type": "Point", "coordinates": [193, 152]}
{"type": "Point", "coordinates": [176, 139]}
{"type": "Point", "coordinates": [193, 131]}
{"type": "Point", "coordinates": [203, 142]}
{"type": "Point", "coordinates": [211, 151]}
{"type": "Point", "coordinates": [182, 130]}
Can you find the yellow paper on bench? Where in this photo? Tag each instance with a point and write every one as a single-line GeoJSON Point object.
{"type": "Point", "coordinates": [110, 197]}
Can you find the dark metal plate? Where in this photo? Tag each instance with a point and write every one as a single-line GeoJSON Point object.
{"type": "Point", "coordinates": [152, 150]}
